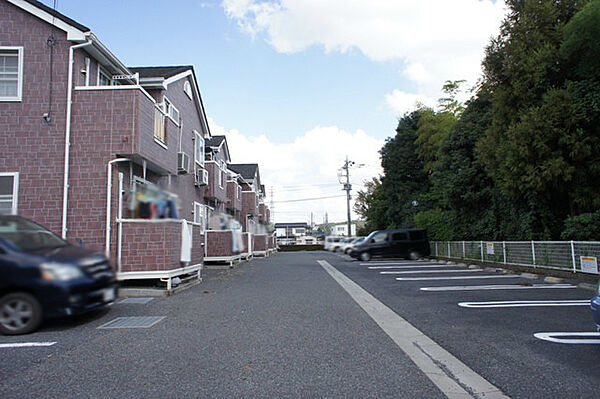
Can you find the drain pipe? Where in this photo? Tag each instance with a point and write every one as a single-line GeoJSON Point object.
{"type": "Point", "coordinates": [68, 135]}
{"type": "Point", "coordinates": [108, 201]}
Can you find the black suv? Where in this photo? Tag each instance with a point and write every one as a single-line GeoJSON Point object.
{"type": "Point", "coordinates": [401, 243]}
{"type": "Point", "coordinates": [43, 276]}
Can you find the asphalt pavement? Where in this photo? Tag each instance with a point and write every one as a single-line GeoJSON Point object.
{"type": "Point", "coordinates": [284, 327]}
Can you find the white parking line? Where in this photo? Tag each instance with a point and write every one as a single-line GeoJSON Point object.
{"type": "Point", "coordinates": [498, 287]}
{"type": "Point", "coordinates": [524, 304]}
{"type": "Point", "coordinates": [454, 277]}
{"type": "Point", "coordinates": [408, 267]}
{"type": "Point", "coordinates": [594, 338]}
{"type": "Point", "coordinates": [434, 271]}
{"type": "Point", "coordinates": [454, 378]}
{"type": "Point", "coordinates": [400, 263]}
{"type": "Point", "coordinates": [26, 344]}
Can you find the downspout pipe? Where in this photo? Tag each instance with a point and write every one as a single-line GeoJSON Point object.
{"type": "Point", "coordinates": [108, 201]}
{"type": "Point", "coordinates": [68, 134]}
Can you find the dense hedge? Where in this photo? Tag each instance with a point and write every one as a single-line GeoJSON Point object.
{"type": "Point", "coordinates": [293, 248]}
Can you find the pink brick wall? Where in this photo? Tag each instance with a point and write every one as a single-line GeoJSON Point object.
{"type": "Point", "coordinates": [233, 202]}
{"type": "Point", "coordinates": [260, 242]}
{"type": "Point", "coordinates": [151, 246]}
{"type": "Point", "coordinates": [219, 243]}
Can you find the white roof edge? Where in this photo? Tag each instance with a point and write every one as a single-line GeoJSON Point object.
{"type": "Point", "coordinates": [175, 78]}
{"type": "Point", "coordinates": [73, 34]}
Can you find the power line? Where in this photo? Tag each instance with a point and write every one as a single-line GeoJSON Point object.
{"type": "Point", "coordinates": [310, 199]}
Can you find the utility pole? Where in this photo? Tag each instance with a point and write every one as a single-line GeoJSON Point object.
{"type": "Point", "coordinates": [347, 188]}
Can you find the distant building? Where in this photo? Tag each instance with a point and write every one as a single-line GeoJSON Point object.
{"type": "Point", "coordinates": [342, 229]}
{"type": "Point", "coordinates": [289, 233]}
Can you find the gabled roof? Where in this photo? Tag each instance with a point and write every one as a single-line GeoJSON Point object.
{"type": "Point", "coordinates": [247, 170]}
{"type": "Point", "coordinates": [58, 15]}
{"type": "Point", "coordinates": [215, 141]}
{"type": "Point", "coordinates": [160, 71]}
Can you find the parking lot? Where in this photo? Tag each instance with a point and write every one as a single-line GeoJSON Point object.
{"type": "Point", "coordinates": [529, 337]}
{"type": "Point", "coordinates": [321, 324]}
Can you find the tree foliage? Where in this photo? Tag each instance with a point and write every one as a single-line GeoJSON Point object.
{"type": "Point", "coordinates": [520, 159]}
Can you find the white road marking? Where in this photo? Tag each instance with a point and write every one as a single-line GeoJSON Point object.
{"type": "Point", "coordinates": [498, 287]}
{"type": "Point", "coordinates": [594, 338]}
{"type": "Point", "coordinates": [453, 378]}
{"type": "Point", "coordinates": [524, 304]}
{"type": "Point", "coordinates": [400, 263]}
{"type": "Point", "coordinates": [435, 271]}
{"type": "Point", "coordinates": [407, 267]}
{"type": "Point", "coordinates": [454, 277]}
{"type": "Point", "coordinates": [26, 344]}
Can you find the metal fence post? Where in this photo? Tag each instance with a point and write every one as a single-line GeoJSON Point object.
{"type": "Point", "coordinates": [449, 249]}
{"type": "Point", "coordinates": [504, 250]}
{"type": "Point", "coordinates": [481, 245]}
{"type": "Point", "coordinates": [573, 257]}
{"type": "Point", "coordinates": [464, 253]}
{"type": "Point", "coordinates": [533, 253]}
{"type": "Point", "coordinates": [436, 248]}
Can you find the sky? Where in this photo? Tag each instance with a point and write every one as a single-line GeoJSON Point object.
{"type": "Point", "coordinates": [299, 85]}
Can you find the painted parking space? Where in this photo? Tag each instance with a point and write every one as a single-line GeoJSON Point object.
{"type": "Point", "coordinates": [498, 287]}
{"type": "Point", "coordinates": [432, 271]}
{"type": "Point", "coordinates": [407, 267]}
{"type": "Point", "coordinates": [570, 338]}
{"type": "Point", "coordinates": [26, 345]}
{"type": "Point", "coordinates": [524, 304]}
{"type": "Point", "coordinates": [457, 277]}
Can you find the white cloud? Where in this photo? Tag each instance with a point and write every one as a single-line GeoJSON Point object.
{"type": "Point", "coordinates": [438, 40]}
{"type": "Point", "coordinates": [307, 167]}
{"type": "Point", "coordinates": [402, 102]}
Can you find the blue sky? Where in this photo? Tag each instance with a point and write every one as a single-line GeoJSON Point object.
{"type": "Point", "coordinates": [296, 85]}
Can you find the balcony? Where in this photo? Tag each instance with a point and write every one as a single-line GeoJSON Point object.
{"type": "Point", "coordinates": [126, 121]}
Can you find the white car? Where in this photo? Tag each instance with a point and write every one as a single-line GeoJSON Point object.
{"type": "Point", "coordinates": [347, 245]}
{"type": "Point", "coordinates": [332, 243]}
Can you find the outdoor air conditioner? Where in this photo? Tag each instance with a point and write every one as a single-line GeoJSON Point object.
{"type": "Point", "coordinates": [183, 162]}
{"type": "Point", "coordinates": [201, 177]}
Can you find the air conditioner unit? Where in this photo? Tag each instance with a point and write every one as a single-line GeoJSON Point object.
{"type": "Point", "coordinates": [201, 177]}
{"type": "Point", "coordinates": [183, 163]}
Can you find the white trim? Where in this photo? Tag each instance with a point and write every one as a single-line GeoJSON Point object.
{"type": "Point", "coordinates": [167, 109]}
{"type": "Point", "coordinates": [87, 71]}
{"type": "Point", "coordinates": [198, 206]}
{"type": "Point", "coordinates": [20, 56]}
{"type": "Point", "coordinates": [178, 77]}
{"type": "Point", "coordinates": [15, 193]}
{"type": "Point", "coordinates": [160, 143]}
{"type": "Point", "coordinates": [141, 275]}
{"type": "Point", "coordinates": [196, 136]}
{"type": "Point", "coordinates": [73, 34]}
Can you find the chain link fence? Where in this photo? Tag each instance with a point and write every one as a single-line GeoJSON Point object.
{"type": "Point", "coordinates": [573, 256]}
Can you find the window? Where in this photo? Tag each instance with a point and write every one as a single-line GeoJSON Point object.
{"type": "Point", "coordinates": [400, 236]}
{"type": "Point", "coordinates": [159, 125]}
{"type": "Point", "coordinates": [199, 148]}
{"type": "Point", "coordinates": [379, 237]}
{"type": "Point", "coordinates": [187, 89]}
{"type": "Point", "coordinates": [9, 188]}
{"type": "Point", "coordinates": [200, 215]}
{"type": "Point", "coordinates": [103, 78]}
{"type": "Point", "coordinates": [170, 110]}
{"type": "Point", "coordinates": [11, 73]}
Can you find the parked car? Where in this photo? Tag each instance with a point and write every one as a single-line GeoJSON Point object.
{"type": "Point", "coordinates": [351, 243]}
{"type": "Point", "coordinates": [332, 243]}
{"type": "Point", "coordinates": [595, 304]}
{"type": "Point", "coordinates": [402, 243]}
{"type": "Point", "coordinates": [44, 276]}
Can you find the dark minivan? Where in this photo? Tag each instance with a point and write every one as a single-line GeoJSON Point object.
{"type": "Point", "coordinates": [43, 276]}
{"type": "Point", "coordinates": [400, 243]}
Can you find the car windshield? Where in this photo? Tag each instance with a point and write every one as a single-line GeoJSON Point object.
{"type": "Point", "coordinates": [28, 236]}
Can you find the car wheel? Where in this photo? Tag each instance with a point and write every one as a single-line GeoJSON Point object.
{"type": "Point", "coordinates": [20, 313]}
{"type": "Point", "coordinates": [414, 255]}
{"type": "Point", "coordinates": [365, 256]}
